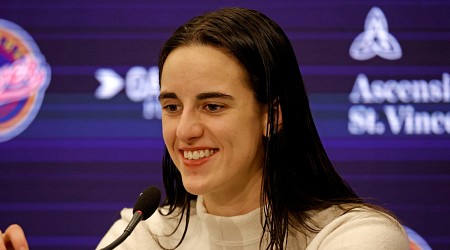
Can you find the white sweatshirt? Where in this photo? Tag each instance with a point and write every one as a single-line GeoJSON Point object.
{"type": "Point", "coordinates": [359, 229]}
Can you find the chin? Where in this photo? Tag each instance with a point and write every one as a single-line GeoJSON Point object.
{"type": "Point", "coordinates": [194, 188]}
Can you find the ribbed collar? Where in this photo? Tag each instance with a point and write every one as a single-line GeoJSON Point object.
{"type": "Point", "coordinates": [230, 231]}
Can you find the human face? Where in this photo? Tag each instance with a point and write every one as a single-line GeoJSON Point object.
{"type": "Point", "coordinates": [212, 124]}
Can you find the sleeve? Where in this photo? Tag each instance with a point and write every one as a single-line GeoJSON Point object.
{"type": "Point", "coordinates": [362, 230]}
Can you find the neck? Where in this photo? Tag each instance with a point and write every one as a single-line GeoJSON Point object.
{"type": "Point", "coordinates": [241, 200]}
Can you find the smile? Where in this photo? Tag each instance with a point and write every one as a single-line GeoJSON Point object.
{"type": "Point", "coordinates": [198, 154]}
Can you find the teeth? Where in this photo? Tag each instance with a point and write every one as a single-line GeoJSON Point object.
{"type": "Point", "coordinates": [197, 154]}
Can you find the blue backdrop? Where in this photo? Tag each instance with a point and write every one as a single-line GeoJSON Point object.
{"type": "Point", "coordinates": [83, 143]}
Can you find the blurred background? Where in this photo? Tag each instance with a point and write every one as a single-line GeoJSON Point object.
{"type": "Point", "coordinates": [80, 132]}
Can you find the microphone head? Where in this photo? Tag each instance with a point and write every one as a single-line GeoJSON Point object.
{"type": "Point", "coordinates": [148, 202]}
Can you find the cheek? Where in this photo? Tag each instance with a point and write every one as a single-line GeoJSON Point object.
{"type": "Point", "coordinates": [248, 134]}
{"type": "Point", "coordinates": [168, 132]}
{"type": "Point", "coordinates": [169, 137]}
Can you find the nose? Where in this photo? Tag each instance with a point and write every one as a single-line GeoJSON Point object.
{"type": "Point", "coordinates": [189, 126]}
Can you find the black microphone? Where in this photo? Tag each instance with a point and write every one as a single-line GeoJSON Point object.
{"type": "Point", "coordinates": [145, 206]}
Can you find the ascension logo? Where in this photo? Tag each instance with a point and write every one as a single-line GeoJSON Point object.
{"type": "Point", "coordinates": [24, 77]}
{"type": "Point", "coordinates": [376, 39]}
{"type": "Point", "coordinates": [393, 105]}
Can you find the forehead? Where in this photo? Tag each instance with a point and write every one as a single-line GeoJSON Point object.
{"type": "Point", "coordinates": [201, 65]}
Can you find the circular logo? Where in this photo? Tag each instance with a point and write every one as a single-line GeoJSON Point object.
{"type": "Point", "coordinates": [416, 242]}
{"type": "Point", "coordinates": [24, 77]}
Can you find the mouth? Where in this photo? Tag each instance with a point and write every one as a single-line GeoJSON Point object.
{"type": "Point", "coordinates": [198, 154]}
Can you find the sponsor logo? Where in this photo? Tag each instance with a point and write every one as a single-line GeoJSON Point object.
{"type": "Point", "coordinates": [399, 107]}
{"type": "Point", "coordinates": [24, 77]}
{"type": "Point", "coordinates": [140, 84]}
{"type": "Point", "coordinates": [375, 40]}
{"type": "Point", "coordinates": [401, 110]}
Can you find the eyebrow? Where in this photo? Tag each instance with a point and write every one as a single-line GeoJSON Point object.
{"type": "Point", "coordinates": [208, 95]}
{"type": "Point", "coordinates": [167, 95]}
{"type": "Point", "coordinates": [201, 96]}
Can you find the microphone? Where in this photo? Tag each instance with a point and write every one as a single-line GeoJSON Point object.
{"type": "Point", "coordinates": [145, 206]}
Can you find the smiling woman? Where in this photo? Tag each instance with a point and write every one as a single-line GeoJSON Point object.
{"type": "Point", "coordinates": [216, 112]}
{"type": "Point", "coordinates": [244, 167]}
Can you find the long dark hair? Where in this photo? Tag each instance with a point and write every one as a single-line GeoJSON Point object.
{"type": "Point", "coordinates": [298, 176]}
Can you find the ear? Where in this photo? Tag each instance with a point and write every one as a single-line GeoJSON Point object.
{"type": "Point", "coordinates": [278, 119]}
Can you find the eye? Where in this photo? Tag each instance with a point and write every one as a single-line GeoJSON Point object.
{"type": "Point", "coordinates": [171, 108]}
{"type": "Point", "coordinates": [213, 107]}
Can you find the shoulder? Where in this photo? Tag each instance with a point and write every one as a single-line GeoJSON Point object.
{"type": "Point", "coordinates": [139, 238]}
{"type": "Point", "coordinates": [358, 228]}
{"type": "Point", "coordinates": [148, 233]}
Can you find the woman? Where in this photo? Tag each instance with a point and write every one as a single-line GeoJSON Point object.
{"type": "Point", "coordinates": [244, 167]}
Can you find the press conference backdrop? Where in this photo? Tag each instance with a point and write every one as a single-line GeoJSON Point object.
{"type": "Point", "coordinates": [80, 132]}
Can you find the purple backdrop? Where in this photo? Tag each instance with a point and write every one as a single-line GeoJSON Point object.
{"type": "Point", "coordinates": [85, 156]}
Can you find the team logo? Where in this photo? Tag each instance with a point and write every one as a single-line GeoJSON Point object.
{"type": "Point", "coordinates": [375, 39]}
{"type": "Point", "coordinates": [24, 77]}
